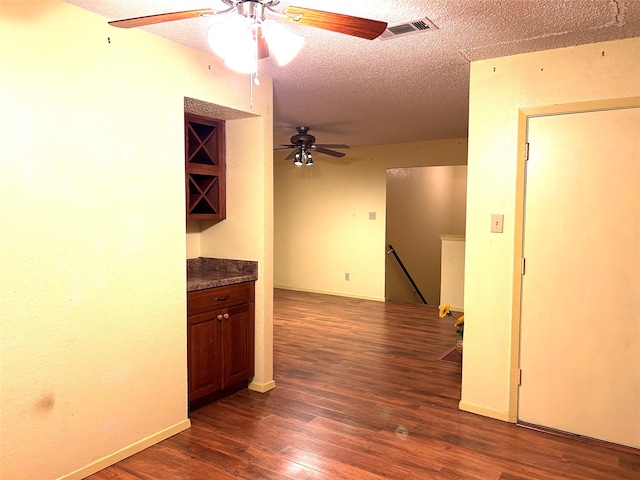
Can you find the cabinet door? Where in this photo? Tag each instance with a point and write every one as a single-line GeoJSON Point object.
{"type": "Point", "coordinates": [204, 354]}
{"type": "Point", "coordinates": [238, 344]}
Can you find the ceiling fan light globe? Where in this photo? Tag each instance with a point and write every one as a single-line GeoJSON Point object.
{"type": "Point", "coordinates": [243, 52]}
{"type": "Point", "coordinates": [242, 62]}
{"type": "Point", "coordinates": [283, 44]}
{"type": "Point", "coordinates": [224, 32]}
{"type": "Point", "coordinates": [233, 39]}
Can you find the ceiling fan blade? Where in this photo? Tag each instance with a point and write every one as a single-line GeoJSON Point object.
{"type": "Point", "coordinates": [336, 22]}
{"type": "Point", "coordinates": [291, 155]}
{"type": "Point", "coordinates": [161, 18]}
{"type": "Point", "coordinates": [326, 151]}
{"type": "Point", "coordinates": [332, 145]}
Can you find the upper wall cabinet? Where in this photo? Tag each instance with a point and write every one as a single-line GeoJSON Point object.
{"type": "Point", "coordinates": [205, 167]}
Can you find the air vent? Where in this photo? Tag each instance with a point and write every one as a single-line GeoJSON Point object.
{"type": "Point", "coordinates": [408, 28]}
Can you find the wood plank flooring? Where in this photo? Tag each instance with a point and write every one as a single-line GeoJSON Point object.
{"type": "Point", "coordinates": [362, 393]}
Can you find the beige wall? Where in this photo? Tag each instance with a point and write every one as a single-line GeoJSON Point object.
{"type": "Point", "coordinates": [499, 88]}
{"type": "Point", "coordinates": [92, 289]}
{"type": "Point", "coordinates": [422, 204]}
{"type": "Point", "coordinates": [247, 232]}
{"type": "Point", "coordinates": [452, 272]}
{"type": "Point", "coordinates": [322, 226]}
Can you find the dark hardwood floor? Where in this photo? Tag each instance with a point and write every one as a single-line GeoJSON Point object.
{"type": "Point", "coordinates": [362, 393]}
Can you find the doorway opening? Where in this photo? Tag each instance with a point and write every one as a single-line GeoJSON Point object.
{"type": "Point", "coordinates": [423, 204]}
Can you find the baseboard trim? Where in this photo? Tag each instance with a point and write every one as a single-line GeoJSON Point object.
{"type": "Point", "coordinates": [127, 451]}
{"type": "Point", "coordinates": [262, 387]}
{"type": "Point", "coordinates": [326, 292]}
{"type": "Point", "coordinates": [484, 411]}
{"type": "Point", "coordinates": [580, 438]}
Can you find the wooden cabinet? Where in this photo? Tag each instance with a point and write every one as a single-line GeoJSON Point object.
{"type": "Point", "coordinates": [220, 341]}
{"type": "Point", "coordinates": [205, 167]}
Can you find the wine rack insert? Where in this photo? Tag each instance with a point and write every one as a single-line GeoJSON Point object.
{"type": "Point", "coordinates": [205, 167]}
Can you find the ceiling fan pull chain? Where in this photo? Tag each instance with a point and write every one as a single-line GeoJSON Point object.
{"type": "Point", "coordinates": [253, 78]}
{"type": "Point", "coordinates": [251, 91]}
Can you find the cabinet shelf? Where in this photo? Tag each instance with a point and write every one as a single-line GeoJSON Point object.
{"type": "Point", "coordinates": [204, 194]}
{"type": "Point", "coordinates": [205, 167]}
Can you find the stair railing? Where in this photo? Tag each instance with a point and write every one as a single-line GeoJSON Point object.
{"type": "Point", "coordinates": [415, 287]}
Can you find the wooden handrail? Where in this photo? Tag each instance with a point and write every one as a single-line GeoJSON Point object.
{"type": "Point", "coordinates": [415, 287]}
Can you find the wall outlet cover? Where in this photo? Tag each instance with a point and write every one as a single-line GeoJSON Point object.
{"type": "Point", "coordinates": [497, 223]}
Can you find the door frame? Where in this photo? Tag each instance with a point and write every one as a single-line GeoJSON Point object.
{"type": "Point", "coordinates": [524, 114]}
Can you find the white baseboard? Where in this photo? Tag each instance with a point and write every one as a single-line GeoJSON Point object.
{"type": "Point", "coordinates": [262, 387]}
{"type": "Point", "coordinates": [127, 451]}
{"type": "Point", "coordinates": [484, 411]}
{"type": "Point", "coordinates": [326, 292]}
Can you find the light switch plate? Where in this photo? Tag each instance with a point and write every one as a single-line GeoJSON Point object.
{"type": "Point", "coordinates": [497, 221]}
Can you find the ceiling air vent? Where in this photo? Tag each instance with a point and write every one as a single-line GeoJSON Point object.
{"type": "Point", "coordinates": [408, 28]}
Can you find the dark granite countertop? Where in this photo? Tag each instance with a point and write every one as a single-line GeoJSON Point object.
{"type": "Point", "coordinates": [206, 272]}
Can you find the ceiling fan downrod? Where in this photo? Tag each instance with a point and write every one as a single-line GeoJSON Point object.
{"type": "Point", "coordinates": [254, 8]}
{"type": "Point", "coordinates": [251, 9]}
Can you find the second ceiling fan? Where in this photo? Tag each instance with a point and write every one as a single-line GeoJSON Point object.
{"type": "Point", "coordinates": [245, 31]}
{"type": "Point", "coordinates": [303, 144]}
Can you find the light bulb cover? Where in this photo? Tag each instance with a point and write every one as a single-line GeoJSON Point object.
{"type": "Point", "coordinates": [233, 38]}
{"type": "Point", "coordinates": [244, 59]}
{"type": "Point", "coordinates": [224, 33]}
{"type": "Point", "coordinates": [298, 159]}
{"type": "Point", "coordinates": [283, 44]}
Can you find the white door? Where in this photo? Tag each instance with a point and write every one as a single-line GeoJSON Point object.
{"type": "Point", "coordinates": [580, 316]}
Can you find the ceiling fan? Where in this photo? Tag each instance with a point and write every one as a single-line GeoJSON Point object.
{"type": "Point", "coordinates": [303, 144]}
{"type": "Point", "coordinates": [247, 32]}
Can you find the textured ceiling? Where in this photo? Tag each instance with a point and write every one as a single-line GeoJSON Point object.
{"type": "Point", "coordinates": [409, 88]}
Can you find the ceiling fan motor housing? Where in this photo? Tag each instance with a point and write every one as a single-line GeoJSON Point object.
{"type": "Point", "coordinates": [302, 138]}
{"type": "Point", "coordinates": [252, 8]}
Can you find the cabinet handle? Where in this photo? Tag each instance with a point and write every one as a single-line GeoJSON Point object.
{"type": "Point", "coordinates": [225, 316]}
{"type": "Point", "coordinates": [222, 299]}
{"type": "Point", "coordinates": [219, 317]}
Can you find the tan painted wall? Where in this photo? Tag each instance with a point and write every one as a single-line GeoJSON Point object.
{"type": "Point", "coordinates": [92, 289]}
{"type": "Point", "coordinates": [498, 89]}
{"type": "Point", "coordinates": [422, 204]}
{"type": "Point", "coordinates": [322, 226]}
{"type": "Point", "coordinates": [247, 232]}
{"type": "Point", "coordinates": [452, 272]}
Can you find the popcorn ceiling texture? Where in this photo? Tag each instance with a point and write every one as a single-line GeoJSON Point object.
{"type": "Point", "coordinates": [410, 88]}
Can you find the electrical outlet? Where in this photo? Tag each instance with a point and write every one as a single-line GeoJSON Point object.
{"type": "Point", "coordinates": [347, 277]}
{"type": "Point", "coordinates": [372, 215]}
